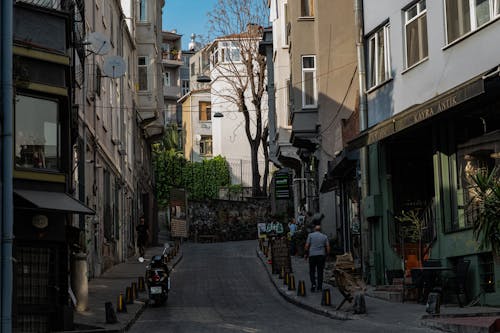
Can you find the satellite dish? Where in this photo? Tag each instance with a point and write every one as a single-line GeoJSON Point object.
{"type": "Point", "coordinates": [98, 43]}
{"type": "Point", "coordinates": [114, 66]}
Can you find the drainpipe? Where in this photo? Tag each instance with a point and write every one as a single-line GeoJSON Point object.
{"type": "Point", "coordinates": [7, 158]}
{"type": "Point", "coordinates": [363, 125]}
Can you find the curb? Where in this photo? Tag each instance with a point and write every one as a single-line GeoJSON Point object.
{"type": "Point", "coordinates": [137, 314]}
{"type": "Point", "coordinates": [339, 315]}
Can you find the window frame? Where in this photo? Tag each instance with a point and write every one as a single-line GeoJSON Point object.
{"type": "Point", "coordinates": [315, 86]}
{"type": "Point", "coordinates": [139, 66]}
{"type": "Point", "coordinates": [285, 38]}
{"type": "Point", "coordinates": [207, 111]}
{"type": "Point", "coordinates": [59, 125]}
{"type": "Point", "coordinates": [420, 13]}
{"type": "Point", "coordinates": [142, 12]}
{"type": "Point", "coordinates": [386, 28]}
{"type": "Point", "coordinates": [494, 11]}
{"type": "Point", "coordinates": [307, 8]}
{"type": "Point", "coordinates": [206, 142]}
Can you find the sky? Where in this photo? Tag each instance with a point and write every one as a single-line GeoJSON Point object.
{"type": "Point", "coordinates": [187, 16]}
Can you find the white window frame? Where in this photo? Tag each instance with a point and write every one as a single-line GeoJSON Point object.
{"type": "Point", "coordinates": [167, 82]}
{"type": "Point", "coordinates": [139, 66]}
{"type": "Point", "coordinates": [420, 12]}
{"type": "Point", "coordinates": [315, 88]}
{"type": "Point", "coordinates": [226, 50]}
{"type": "Point", "coordinates": [184, 89]}
{"type": "Point", "coordinates": [494, 9]}
{"type": "Point", "coordinates": [142, 15]}
{"type": "Point", "coordinates": [387, 57]}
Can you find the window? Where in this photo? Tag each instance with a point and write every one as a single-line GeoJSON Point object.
{"type": "Point", "coordinates": [309, 94]}
{"type": "Point", "coordinates": [143, 11]}
{"type": "Point", "coordinates": [288, 102]}
{"type": "Point", "coordinates": [379, 60]}
{"type": "Point", "coordinates": [307, 8]}
{"type": "Point", "coordinates": [229, 52]}
{"type": "Point", "coordinates": [416, 33]}
{"type": "Point", "coordinates": [192, 69]}
{"type": "Point", "coordinates": [284, 20]}
{"type": "Point", "coordinates": [166, 79]}
{"type": "Point", "coordinates": [143, 73]}
{"type": "Point", "coordinates": [184, 87]}
{"type": "Point", "coordinates": [464, 16]}
{"type": "Point", "coordinates": [111, 26]}
{"type": "Point", "coordinates": [206, 145]}
{"type": "Point", "coordinates": [205, 113]}
{"type": "Point", "coordinates": [37, 143]}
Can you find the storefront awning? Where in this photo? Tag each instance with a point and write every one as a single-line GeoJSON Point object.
{"type": "Point", "coordinates": [419, 113]}
{"type": "Point", "coordinates": [55, 201]}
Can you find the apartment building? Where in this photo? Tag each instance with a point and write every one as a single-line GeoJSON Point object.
{"type": "Point", "coordinates": [323, 102]}
{"type": "Point", "coordinates": [431, 76]}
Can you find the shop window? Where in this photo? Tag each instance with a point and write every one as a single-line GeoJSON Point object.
{"type": "Point", "coordinates": [482, 157]}
{"type": "Point", "coordinates": [37, 143]}
{"type": "Point", "coordinates": [487, 272]}
{"type": "Point", "coordinates": [416, 34]}
{"type": "Point", "coordinates": [464, 16]}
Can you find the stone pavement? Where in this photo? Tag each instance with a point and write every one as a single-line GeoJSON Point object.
{"type": "Point", "coordinates": [383, 312]}
{"type": "Point", "coordinates": [107, 288]}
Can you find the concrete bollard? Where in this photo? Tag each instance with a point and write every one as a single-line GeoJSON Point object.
{"type": "Point", "coordinates": [79, 281]}
{"type": "Point", "coordinates": [326, 299]}
{"type": "Point", "coordinates": [110, 313]}
{"type": "Point", "coordinates": [128, 296]}
{"type": "Point", "coordinates": [140, 284]}
{"type": "Point", "coordinates": [282, 273]}
{"type": "Point", "coordinates": [291, 282]}
{"type": "Point", "coordinates": [120, 305]}
{"type": "Point", "coordinates": [301, 290]}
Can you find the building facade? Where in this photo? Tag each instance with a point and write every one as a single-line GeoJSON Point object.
{"type": "Point", "coordinates": [431, 124]}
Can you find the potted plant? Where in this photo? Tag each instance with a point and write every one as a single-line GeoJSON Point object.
{"type": "Point", "coordinates": [485, 198]}
{"type": "Point", "coordinates": [412, 228]}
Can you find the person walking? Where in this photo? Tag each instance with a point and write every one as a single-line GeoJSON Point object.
{"type": "Point", "coordinates": [292, 227]}
{"type": "Point", "coordinates": [142, 235]}
{"type": "Point", "coordinates": [318, 246]}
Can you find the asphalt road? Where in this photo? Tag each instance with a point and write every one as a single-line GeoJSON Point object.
{"type": "Point", "coordinates": [223, 287]}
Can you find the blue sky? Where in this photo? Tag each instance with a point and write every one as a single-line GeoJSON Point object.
{"type": "Point", "coordinates": [187, 16]}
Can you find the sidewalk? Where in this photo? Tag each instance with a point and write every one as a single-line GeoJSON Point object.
{"type": "Point", "coordinates": [107, 288]}
{"type": "Point", "coordinates": [452, 318]}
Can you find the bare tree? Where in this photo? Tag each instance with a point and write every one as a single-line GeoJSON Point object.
{"type": "Point", "coordinates": [237, 26]}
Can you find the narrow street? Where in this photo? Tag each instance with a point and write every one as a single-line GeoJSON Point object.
{"type": "Point", "coordinates": [222, 287]}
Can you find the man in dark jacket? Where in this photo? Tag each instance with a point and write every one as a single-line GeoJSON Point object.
{"type": "Point", "coordinates": [142, 235]}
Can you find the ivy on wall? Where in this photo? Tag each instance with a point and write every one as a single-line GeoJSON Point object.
{"type": "Point", "coordinates": [201, 180]}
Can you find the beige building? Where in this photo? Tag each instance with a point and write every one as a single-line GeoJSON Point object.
{"type": "Point", "coordinates": [323, 100]}
{"type": "Point", "coordinates": [119, 119]}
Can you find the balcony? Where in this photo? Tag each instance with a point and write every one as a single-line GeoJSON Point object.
{"type": "Point", "coordinates": [171, 60]}
{"type": "Point", "coordinates": [304, 129]}
{"type": "Point", "coordinates": [172, 92]}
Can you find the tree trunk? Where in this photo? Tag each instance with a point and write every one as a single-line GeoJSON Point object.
{"type": "Point", "coordinates": [254, 149]}
{"type": "Point", "coordinates": [265, 148]}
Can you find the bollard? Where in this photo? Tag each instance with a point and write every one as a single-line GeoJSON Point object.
{"type": "Point", "coordinates": [291, 282]}
{"type": "Point", "coordinates": [282, 273]}
{"type": "Point", "coordinates": [128, 296]}
{"type": "Point", "coordinates": [286, 279]}
{"type": "Point", "coordinates": [301, 290]}
{"type": "Point", "coordinates": [120, 305]}
{"type": "Point", "coordinates": [110, 313]}
{"type": "Point", "coordinates": [140, 284]}
{"type": "Point", "coordinates": [326, 298]}
{"type": "Point", "coordinates": [134, 290]}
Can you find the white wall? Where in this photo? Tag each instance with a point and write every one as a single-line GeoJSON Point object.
{"type": "Point", "coordinates": [447, 66]}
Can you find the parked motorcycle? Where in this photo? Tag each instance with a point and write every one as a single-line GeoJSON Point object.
{"type": "Point", "coordinates": [158, 280]}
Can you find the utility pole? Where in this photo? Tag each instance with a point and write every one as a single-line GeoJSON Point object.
{"type": "Point", "coordinates": [6, 148]}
